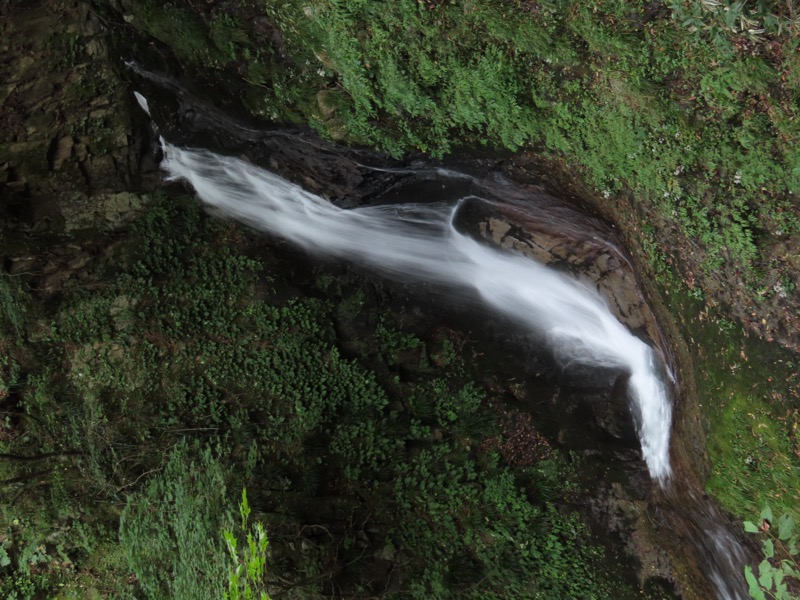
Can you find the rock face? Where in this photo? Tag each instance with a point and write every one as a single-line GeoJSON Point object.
{"type": "Point", "coordinates": [68, 145]}
{"type": "Point", "coordinates": [591, 405]}
{"type": "Point", "coordinates": [72, 165]}
{"type": "Point", "coordinates": [529, 221]}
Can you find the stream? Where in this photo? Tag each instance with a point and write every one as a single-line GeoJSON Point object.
{"type": "Point", "coordinates": [417, 238]}
{"type": "Point", "coordinates": [419, 241]}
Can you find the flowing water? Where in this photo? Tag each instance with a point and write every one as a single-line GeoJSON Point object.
{"type": "Point", "coordinates": [418, 241]}
{"type": "Point", "coordinates": [694, 519]}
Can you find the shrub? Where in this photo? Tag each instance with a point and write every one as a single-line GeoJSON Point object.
{"type": "Point", "coordinates": [171, 529]}
{"type": "Point", "coordinates": [781, 564]}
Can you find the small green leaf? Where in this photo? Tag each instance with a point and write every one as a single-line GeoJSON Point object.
{"type": "Point", "coordinates": [244, 509]}
{"type": "Point", "coordinates": [765, 574]}
{"type": "Point", "coordinates": [230, 542]}
{"type": "Point", "coordinates": [769, 548]}
{"type": "Point", "coordinates": [778, 577]}
{"type": "Point", "coordinates": [755, 590]}
{"type": "Point", "coordinates": [750, 527]}
{"type": "Point", "coordinates": [4, 559]}
{"type": "Point", "coordinates": [785, 527]}
{"type": "Point", "coordinates": [767, 514]}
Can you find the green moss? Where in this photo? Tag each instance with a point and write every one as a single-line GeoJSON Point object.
{"type": "Point", "coordinates": [748, 394]}
{"type": "Point", "coordinates": [754, 461]}
{"type": "Point", "coordinates": [181, 29]}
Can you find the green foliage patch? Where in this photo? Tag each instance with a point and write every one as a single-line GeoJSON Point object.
{"type": "Point", "coordinates": [247, 573]}
{"type": "Point", "coordinates": [170, 529]}
{"type": "Point", "coordinates": [689, 107]}
{"type": "Point", "coordinates": [189, 373]}
{"type": "Point", "coordinates": [779, 571]}
{"type": "Point", "coordinates": [759, 463]}
{"type": "Point", "coordinates": [747, 389]}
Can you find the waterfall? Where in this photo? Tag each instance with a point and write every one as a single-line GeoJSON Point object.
{"type": "Point", "coordinates": [419, 241]}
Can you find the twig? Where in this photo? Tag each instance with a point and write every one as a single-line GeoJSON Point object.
{"type": "Point", "coordinates": [46, 455]}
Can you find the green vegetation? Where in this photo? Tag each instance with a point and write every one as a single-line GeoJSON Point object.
{"type": "Point", "coordinates": [756, 463]}
{"type": "Point", "coordinates": [748, 392]}
{"type": "Point", "coordinates": [186, 373]}
{"type": "Point", "coordinates": [779, 572]}
{"type": "Point", "coordinates": [11, 324]}
{"type": "Point", "coordinates": [691, 108]}
{"type": "Point", "coordinates": [170, 528]}
{"type": "Point", "coordinates": [247, 573]}
{"type": "Point", "coordinates": [747, 389]}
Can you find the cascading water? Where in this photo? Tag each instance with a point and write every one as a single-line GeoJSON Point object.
{"type": "Point", "coordinates": [419, 241]}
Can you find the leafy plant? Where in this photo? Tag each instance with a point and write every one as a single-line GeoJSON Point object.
{"type": "Point", "coordinates": [719, 18]}
{"type": "Point", "coordinates": [247, 567]}
{"type": "Point", "coordinates": [781, 562]}
{"type": "Point", "coordinates": [12, 311]}
{"type": "Point", "coordinates": [170, 530]}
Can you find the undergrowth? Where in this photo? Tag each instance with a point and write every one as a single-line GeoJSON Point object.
{"type": "Point", "coordinates": [189, 373]}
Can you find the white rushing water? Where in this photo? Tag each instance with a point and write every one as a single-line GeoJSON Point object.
{"type": "Point", "coordinates": [419, 241]}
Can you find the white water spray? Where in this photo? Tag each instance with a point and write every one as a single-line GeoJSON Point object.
{"type": "Point", "coordinates": [419, 241]}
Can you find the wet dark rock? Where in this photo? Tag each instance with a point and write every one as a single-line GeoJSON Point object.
{"type": "Point", "coordinates": [629, 520]}
{"type": "Point", "coordinates": [60, 142]}
{"type": "Point", "coordinates": [60, 151]}
{"type": "Point", "coordinates": [18, 265]}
